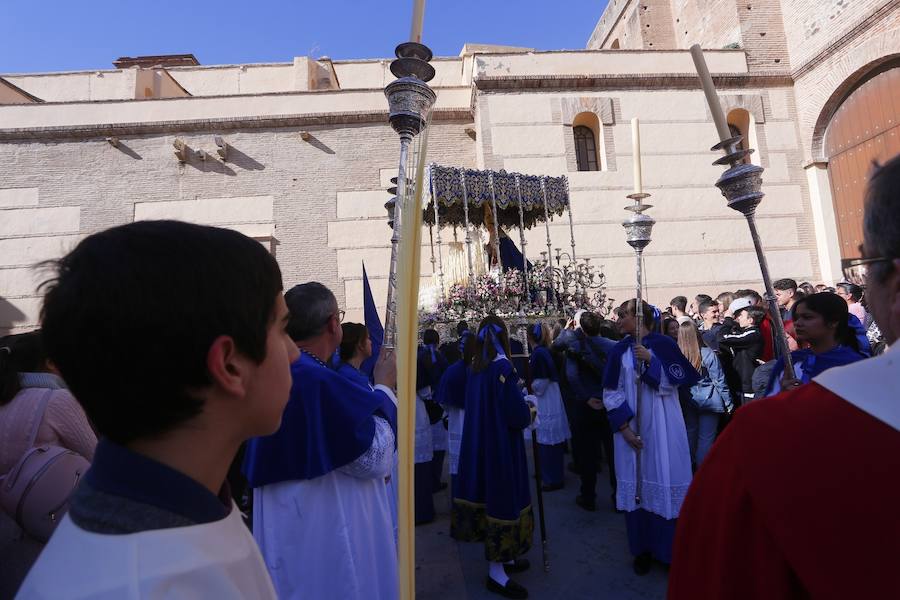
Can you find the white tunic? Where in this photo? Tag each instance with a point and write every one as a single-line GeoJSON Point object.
{"type": "Point", "coordinates": [455, 418]}
{"type": "Point", "coordinates": [212, 560]}
{"type": "Point", "coordinates": [666, 457]}
{"type": "Point", "coordinates": [332, 536]}
{"type": "Point", "coordinates": [552, 423]}
{"type": "Point", "coordinates": [424, 433]}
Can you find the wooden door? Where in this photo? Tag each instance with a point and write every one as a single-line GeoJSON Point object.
{"type": "Point", "coordinates": [864, 129]}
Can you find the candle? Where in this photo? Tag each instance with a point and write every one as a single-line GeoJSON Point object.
{"type": "Point", "coordinates": [709, 90]}
{"type": "Point", "coordinates": [636, 154]}
{"type": "Point", "coordinates": [415, 34]}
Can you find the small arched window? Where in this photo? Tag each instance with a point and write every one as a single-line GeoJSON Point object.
{"type": "Point", "coordinates": [741, 123]}
{"type": "Point", "coordinates": [585, 149]}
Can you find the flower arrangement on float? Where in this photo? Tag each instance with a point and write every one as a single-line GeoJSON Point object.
{"type": "Point", "coordinates": [505, 295]}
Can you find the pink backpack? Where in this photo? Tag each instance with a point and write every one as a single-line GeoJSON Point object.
{"type": "Point", "coordinates": [36, 491]}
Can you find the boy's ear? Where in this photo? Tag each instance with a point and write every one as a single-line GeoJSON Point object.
{"type": "Point", "coordinates": [226, 365]}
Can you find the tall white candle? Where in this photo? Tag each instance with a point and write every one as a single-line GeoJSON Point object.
{"type": "Point", "coordinates": [709, 90]}
{"type": "Point", "coordinates": [636, 154]}
{"type": "Point", "coordinates": [415, 34]}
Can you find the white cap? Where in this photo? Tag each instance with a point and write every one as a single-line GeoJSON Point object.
{"type": "Point", "coordinates": [577, 318]}
{"type": "Point", "coordinates": [740, 304]}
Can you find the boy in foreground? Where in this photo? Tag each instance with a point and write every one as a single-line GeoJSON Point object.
{"type": "Point", "coordinates": [172, 337]}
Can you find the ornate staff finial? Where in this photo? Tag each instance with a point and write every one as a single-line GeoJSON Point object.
{"type": "Point", "coordinates": [409, 101]}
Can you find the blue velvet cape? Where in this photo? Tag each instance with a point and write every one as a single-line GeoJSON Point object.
{"type": "Point", "coordinates": [328, 423]}
{"type": "Point", "coordinates": [451, 390]}
{"type": "Point", "coordinates": [350, 372]}
{"type": "Point", "coordinates": [493, 469]}
{"type": "Point", "coordinates": [666, 355]}
{"type": "Point", "coordinates": [814, 364]}
{"type": "Point", "coordinates": [542, 365]}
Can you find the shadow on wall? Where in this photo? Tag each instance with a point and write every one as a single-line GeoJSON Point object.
{"type": "Point", "coordinates": [316, 143]}
{"type": "Point", "coordinates": [9, 316]}
{"type": "Point", "coordinates": [239, 159]}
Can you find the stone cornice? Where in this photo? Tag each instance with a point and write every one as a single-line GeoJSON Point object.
{"type": "Point", "coordinates": [225, 124]}
{"type": "Point", "coordinates": [630, 81]}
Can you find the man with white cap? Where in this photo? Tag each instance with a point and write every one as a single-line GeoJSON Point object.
{"type": "Point", "coordinates": [740, 335]}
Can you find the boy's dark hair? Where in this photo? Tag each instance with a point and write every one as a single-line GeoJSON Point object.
{"type": "Point", "coordinates": [609, 330]}
{"type": "Point", "coordinates": [705, 306]}
{"type": "Point", "coordinates": [20, 353]}
{"type": "Point", "coordinates": [752, 294]}
{"type": "Point", "coordinates": [461, 327]}
{"type": "Point", "coordinates": [757, 313]}
{"type": "Point", "coordinates": [701, 298]}
{"type": "Point", "coordinates": [311, 306]}
{"type": "Point", "coordinates": [590, 323]}
{"type": "Point", "coordinates": [679, 302]}
{"type": "Point", "coordinates": [132, 311]}
{"type": "Point", "coordinates": [354, 335]}
{"type": "Point", "coordinates": [785, 284]}
{"type": "Point", "coordinates": [629, 307]}
{"type": "Point", "coordinates": [430, 336]}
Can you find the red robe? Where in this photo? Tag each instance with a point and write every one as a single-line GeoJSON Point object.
{"type": "Point", "coordinates": [800, 497]}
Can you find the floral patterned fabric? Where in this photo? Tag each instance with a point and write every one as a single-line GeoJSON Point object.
{"type": "Point", "coordinates": [503, 540]}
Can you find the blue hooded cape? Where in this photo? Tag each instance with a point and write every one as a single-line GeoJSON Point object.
{"type": "Point", "coordinates": [666, 355]}
{"type": "Point", "coordinates": [542, 365]}
{"type": "Point", "coordinates": [451, 390]}
{"type": "Point", "coordinates": [327, 423]}
{"type": "Point", "coordinates": [814, 364]}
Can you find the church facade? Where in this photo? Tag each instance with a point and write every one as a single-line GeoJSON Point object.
{"type": "Point", "coordinates": [299, 154]}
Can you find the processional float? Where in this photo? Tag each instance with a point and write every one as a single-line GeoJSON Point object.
{"type": "Point", "coordinates": [521, 289]}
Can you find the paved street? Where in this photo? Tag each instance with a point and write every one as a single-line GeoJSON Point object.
{"type": "Point", "coordinates": [588, 555]}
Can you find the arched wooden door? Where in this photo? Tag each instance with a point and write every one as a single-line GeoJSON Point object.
{"type": "Point", "coordinates": [865, 128]}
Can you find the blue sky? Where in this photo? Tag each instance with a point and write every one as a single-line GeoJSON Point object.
{"type": "Point", "coordinates": [59, 35]}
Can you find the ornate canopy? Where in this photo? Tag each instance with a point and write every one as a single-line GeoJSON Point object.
{"type": "Point", "coordinates": [540, 198]}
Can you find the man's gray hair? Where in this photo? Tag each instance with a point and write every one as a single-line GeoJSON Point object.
{"type": "Point", "coordinates": [881, 224]}
{"type": "Point", "coordinates": [311, 305]}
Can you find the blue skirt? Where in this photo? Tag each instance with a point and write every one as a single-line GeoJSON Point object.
{"type": "Point", "coordinates": [650, 533]}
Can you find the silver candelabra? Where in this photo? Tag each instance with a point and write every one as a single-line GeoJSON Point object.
{"type": "Point", "coordinates": [410, 100]}
{"type": "Point", "coordinates": [638, 228]}
{"type": "Point", "coordinates": [741, 185]}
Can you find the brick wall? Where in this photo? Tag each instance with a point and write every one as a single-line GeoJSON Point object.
{"type": "Point", "coordinates": [710, 23]}
{"type": "Point", "coordinates": [812, 25]}
{"type": "Point", "coordinates": [620, 22]}
{"type": "Point", "coordinates": [52, 193]}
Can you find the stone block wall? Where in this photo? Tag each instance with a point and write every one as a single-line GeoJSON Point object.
{"type": "Point", "coordinates": [318, 205]}
{"type": "Point", "coordinates": [699, 244]}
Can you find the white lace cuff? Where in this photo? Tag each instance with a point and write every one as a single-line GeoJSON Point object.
{"type": "Point", "coordinates": [378, 459]}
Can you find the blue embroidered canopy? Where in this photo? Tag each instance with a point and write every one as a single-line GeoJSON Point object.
{"type": "Point", "coordinates": [451, 187]}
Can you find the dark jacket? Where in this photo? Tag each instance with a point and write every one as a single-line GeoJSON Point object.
{"type": "Point", "coordinates": [585, 362]}
{"type": "Point", "coordinates": [746, 346]}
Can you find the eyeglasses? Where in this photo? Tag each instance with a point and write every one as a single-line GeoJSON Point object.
{"type": "Point", "coordinates": [856, 270]}
{"type": "Point", "coordinates": [339, 315]}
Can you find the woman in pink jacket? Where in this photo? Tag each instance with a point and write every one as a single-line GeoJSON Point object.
{"type": "Point", "coordinates": [25, 378]}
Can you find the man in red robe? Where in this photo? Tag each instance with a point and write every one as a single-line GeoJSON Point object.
{"type": "Point", "coordinates": [800, 497]}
